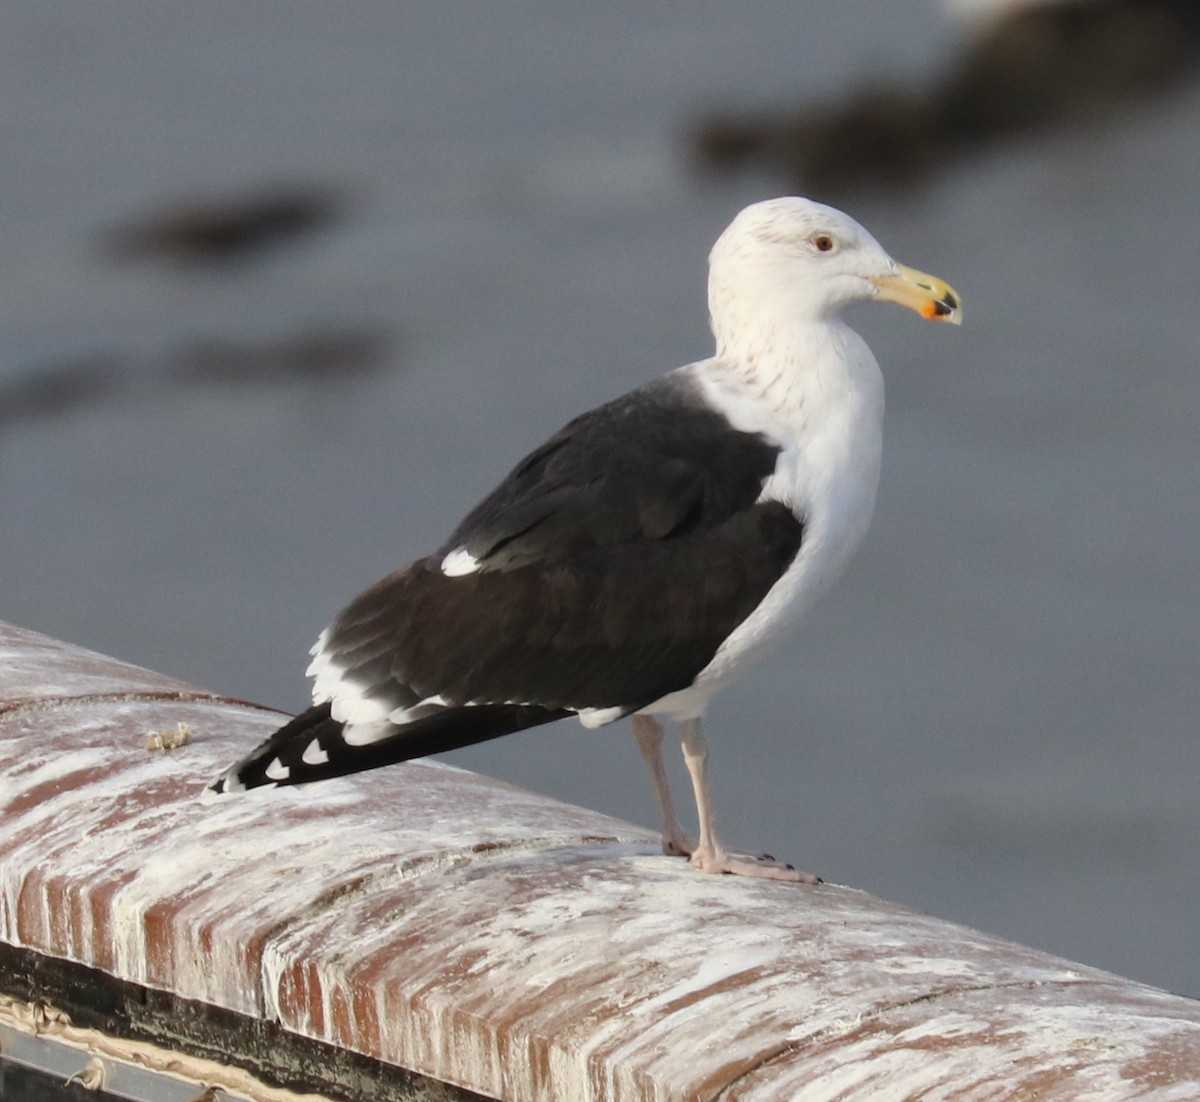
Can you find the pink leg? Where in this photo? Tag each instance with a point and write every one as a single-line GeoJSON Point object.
{"type": "Point", "coordinates": [710, 855]}
{"type": "Point", "coordinates": [649, 734]}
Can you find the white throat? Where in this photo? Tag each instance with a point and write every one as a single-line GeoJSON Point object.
{"type": "Point", "coordinates": [799, 380]}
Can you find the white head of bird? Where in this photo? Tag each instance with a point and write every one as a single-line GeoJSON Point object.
{"type": "Point", "coordinates": [792, 262]}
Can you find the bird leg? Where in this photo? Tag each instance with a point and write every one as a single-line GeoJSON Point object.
{"type": "Point", "coordinates": [649, 734]}
{"type": "Point", "coordinates": [710, 855]}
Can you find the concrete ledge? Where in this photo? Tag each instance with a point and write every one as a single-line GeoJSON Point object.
{"type": "Point", "coordinates": [432, 920]}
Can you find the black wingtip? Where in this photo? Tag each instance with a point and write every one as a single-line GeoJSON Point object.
{"type": "Point", "coordinates": [288, 757]}
{"type": "Point", "coordinates": [254, 770]}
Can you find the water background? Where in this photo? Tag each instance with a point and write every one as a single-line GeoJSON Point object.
{"type": "Point", "coordinates": [992, 718]}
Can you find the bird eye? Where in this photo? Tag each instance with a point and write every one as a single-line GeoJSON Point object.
{"type": "Point", "coordinates": [823, 243]}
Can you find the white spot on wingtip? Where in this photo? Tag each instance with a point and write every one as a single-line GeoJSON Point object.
{"type": "Point", "coordinates": [277, 771]}
{"type": "Point", "coordinates": [314, 754]}
{"type": "Point", "coordinates": [458, 562]}
{"type": "Point", "coordinates": [223, 785]}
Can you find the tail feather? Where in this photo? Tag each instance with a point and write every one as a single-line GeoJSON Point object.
{"type": "Point", "coordinates": [312, 747]}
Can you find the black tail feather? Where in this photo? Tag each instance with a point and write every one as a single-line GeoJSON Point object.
{"type": "Point", "coordinates": [311, 747]}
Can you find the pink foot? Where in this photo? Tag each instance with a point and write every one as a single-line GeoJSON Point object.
{"type": "Point", "coordinates": [744, 864]}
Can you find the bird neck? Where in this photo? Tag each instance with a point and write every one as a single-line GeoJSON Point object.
{"type": "Point", "coordinates": [754, 314]}
{"type": "Point", "coordinates": [798, 376]}
{"type": "Point", "coordinates": [770, 349]}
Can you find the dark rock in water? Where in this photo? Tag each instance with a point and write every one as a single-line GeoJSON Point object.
{"type": "Point", "coordinates": [1055, 64]}
{"type": "Point", "coordinates": [319, 354]}
{"type": "Point", "coordinates": [222, 232]}
{"type": "Point", "coordinates": [59, 388]}
{"type": "Point", "coordinates": [1068, 59]}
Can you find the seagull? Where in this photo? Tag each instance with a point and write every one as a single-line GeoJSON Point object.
{"type": "Point", "coordinates": [649, 553]}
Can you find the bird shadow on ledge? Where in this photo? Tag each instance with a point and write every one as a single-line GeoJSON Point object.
{"type": "Point", "coordinates": [1035, 70]}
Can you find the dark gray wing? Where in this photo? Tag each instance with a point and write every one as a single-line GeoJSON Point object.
{"type": "Point", "coordinates": [614, 560]}
{"type": "Point", "coordinates": [654, 464]}
{"type": "Point", "coordinates": [616, 627]}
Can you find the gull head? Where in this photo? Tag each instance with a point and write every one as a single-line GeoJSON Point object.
{"type": "Point", "coordinates": [793, 260]}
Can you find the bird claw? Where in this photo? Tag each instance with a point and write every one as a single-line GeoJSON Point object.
{"type": "Point", "coordinates": [764, 866]}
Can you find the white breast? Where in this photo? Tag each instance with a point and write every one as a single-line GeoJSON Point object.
{"type": "Point", "coordinates": [827, 415]}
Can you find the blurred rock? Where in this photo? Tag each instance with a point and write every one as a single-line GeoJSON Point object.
{"type": "Point", "coordinates": [59, 388]}
{"type": "Point", "coordinates": [1035, 67]}
{"type": "Point", "coordinates": [312, 355]}
{"type": "Point", "coordinates": [316, 356]}
{"type": "Point", "coordinates": [224, 232]}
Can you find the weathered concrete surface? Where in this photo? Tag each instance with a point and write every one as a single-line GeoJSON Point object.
{"type": "Point", "coordinates": [507, 943]}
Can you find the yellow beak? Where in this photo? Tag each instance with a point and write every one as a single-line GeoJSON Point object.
{"type": "Point", "coordinates": [931, 297]}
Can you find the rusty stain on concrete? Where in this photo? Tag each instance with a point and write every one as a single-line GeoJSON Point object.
{"type": "Point", "coordinates": [507, 943]}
